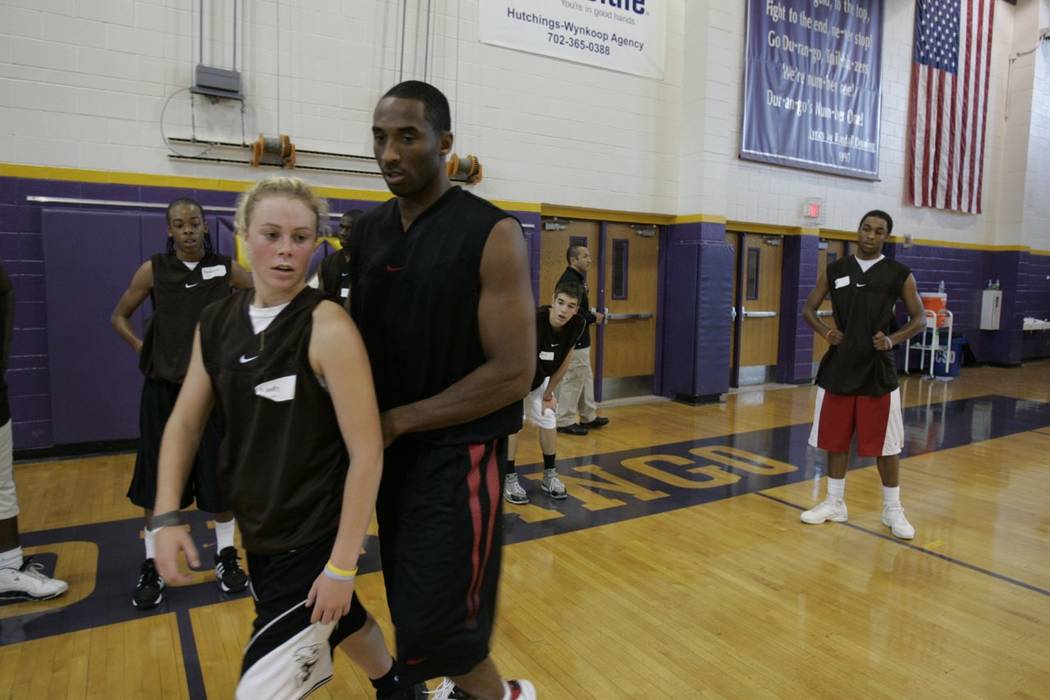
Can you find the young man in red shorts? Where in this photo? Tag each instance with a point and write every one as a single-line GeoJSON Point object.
{"type": "Point", "coordinates": [857, 381]}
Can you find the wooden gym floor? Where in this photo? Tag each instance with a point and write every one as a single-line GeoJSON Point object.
{"type": "Point", "coordinates": [677, 567]}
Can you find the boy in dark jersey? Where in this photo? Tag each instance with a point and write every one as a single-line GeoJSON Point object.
{"type": "Point", "coordinates": [301, 457]}
{"type": "Point", "coordinates": [180, 283]}
{"type": "Point", "coordinates": [334, 276]}
{"type": "Point", "coordinates": [440, 290]}
{"type": "Point", "coordinates": [20, 577]}
{"type": "Point", "coordinates": [558, 327]}
{"type": "Point", "coordinates": [857, 380]}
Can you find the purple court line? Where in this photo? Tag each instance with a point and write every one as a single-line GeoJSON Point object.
{"type": "Point", "coordinates": [945, 557]}
{"type": "Point", "coordinates": [190, 661]}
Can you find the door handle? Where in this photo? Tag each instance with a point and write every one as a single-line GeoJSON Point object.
{"type": "Point", "coordinates": [629, 316]}
{"type": "Point", "coordinates": [759, 314]}
{"type": "Point", "coordinates": [824, 313]}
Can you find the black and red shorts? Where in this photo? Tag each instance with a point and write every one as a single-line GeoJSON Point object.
{"type": "Point", "coordinates": [440, 534]}
{"type": "Point", "coordinates": [877, 421]}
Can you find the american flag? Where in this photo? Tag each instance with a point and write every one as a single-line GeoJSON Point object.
{"type": "Point", "coordinates": [949, 103]}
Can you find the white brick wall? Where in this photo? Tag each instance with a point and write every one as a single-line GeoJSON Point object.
{"type": "Point", "coordinates": [749, 191]}
{"type": "Point", "coordinates": [1035, 225]}
{"type": "Point", "coordinates": [82, 84]}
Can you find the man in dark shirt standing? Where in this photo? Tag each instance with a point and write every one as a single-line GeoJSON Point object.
{"type": "Point", "coordinates": [576, 392]}
{"type": "Point", "coordinates": [441, 294]}
{"type": "Point", "coordinates": [334, 276]}
{"type": "Point", "coordinates": [857, 388]}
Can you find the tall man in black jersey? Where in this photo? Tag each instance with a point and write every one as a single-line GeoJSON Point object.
{"type": "Point", "coordinates": [440, 292]}
{"type": "Point", "coordinates": [857, 381]}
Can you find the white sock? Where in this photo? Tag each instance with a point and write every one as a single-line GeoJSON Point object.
{"type": "Point", "coordinates": [11, 559]}
{"type": "Point", "coordinates": [891, 496]}
{"type": "Point", "coordinates": [223, 535]}
{"type": "Point", "coordinates": [837, 488]}
{"type": "Point", "coordinates": [506, 690]}
{"type": "Point", "coordinates": [149, 538]}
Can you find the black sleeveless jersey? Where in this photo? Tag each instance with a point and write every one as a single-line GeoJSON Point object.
{"type": "Point", "coordinates": [179, 295]}
{"type": "Point", "coordinates": [862, 303]}
{"type": "Point", "coordinates": [282, 463]}
{"type": "Point", "coordinates": [335, 276]}
{"type": "Point", "coordinates": [414, 296]}
{"type": "Point", "coordinates": [554, 343]}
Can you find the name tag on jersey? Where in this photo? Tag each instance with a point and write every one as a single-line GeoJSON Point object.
{"type": "Point", "coordinates": [213, 271]}
{"type": "Point", "coordinates": [344, 292]}
{"type": "Point", "coordinates": [842, 282]}
{"type": "Point", "coordinates": [280, 389]}
{"type": "Point", "coordinates": [546, 355]}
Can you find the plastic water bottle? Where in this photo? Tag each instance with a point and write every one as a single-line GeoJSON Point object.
{"type": "Point", "coordinates": [940, 287]}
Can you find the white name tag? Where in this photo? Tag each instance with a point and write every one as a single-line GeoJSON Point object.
{"type": "Point", "coordinates": [344, 292]}
{"type": "Point", "coordinates": [280, 389]}
{"type": "Point", "coordinates": [546, 355]}
{"type": "Point", "coordinates": [213, 271]}
{"type": "Point", "coordinates": [842, 282]}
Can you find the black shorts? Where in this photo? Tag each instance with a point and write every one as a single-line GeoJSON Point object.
{"type": "Point", "coordinates": [440, 533]}
{"type": "Point", "coordinates": [158, 400]}
{"type": "Point", "coordinates": [287, 655]}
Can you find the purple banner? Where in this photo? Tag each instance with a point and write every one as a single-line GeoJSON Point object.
{"type": "Point", "coordinates": [813, 85]}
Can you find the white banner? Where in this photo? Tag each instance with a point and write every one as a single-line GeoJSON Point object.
{"type": "Point", "coordinates": [621, 35]}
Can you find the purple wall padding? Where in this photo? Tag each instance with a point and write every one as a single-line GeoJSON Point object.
{"type": "Point", "coordinates": [1033, 296]}
{"type": "Point", "coordinates": [90, 257]}
{"type": "Point", "coordinates": [696, 311]}
{"type": "Point", "coordinates": [532, 242]}
{"type": "Point", "coordinates": [795, 351]}
{"type": "Point", "coordinates": [1025, 279]}
{"type": "Point", "coordinates": [1003, 346]}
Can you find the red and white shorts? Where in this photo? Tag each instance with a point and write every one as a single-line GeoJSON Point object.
{"type": "Point", "coordinates": [877, 420]}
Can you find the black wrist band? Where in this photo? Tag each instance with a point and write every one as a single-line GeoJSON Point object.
{"type": "Point", "coordinates": [172, 517]}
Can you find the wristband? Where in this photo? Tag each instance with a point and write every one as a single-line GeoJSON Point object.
{"type": "Point", "coordinates": [172, 517]}
{"type": "Point", "coordinates": [336, 574]}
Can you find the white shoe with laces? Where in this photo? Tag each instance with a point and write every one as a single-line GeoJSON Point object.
{"type": "Point", "coordinates": [893, 518]}
{"type": "Point", "coordinates": [519, 690]}
{"type": "Point", "coordinates": [444, 691]}
{"type": "Point", "coordinates": [513, 490]}
{"type": "Point", "coordinates": [552, 485]}
{"type": "Point", "coordinates": [831, 509]}
{"type": "Point", "coordinates": [29, 583]}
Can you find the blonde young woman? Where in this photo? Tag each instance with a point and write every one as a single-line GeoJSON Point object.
{"type": "Point", "coordinates": [301, 459]}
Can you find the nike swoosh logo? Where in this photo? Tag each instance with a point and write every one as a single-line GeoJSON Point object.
{"type": "Point", "coordinates": [344, 274]}
{"type": "Point", "coordinates": [247, 359]}
{"type": "Point", "coordinates": [190, 286]}
{"type": "Point", "coordinates": [391, 268]}
{"type": "Point", "coordinates": [861, 285]}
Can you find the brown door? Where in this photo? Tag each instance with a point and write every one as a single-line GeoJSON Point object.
{"type": "Point", "coordinates": [629, 347]}
{"type": "Point", "coordinates": [830, 251]}
{"type": "Point", "coordinates": [759, 303]}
